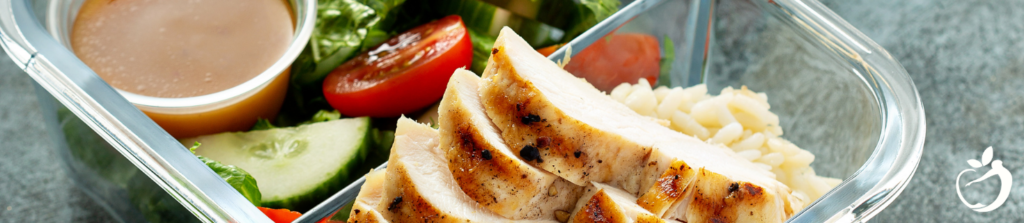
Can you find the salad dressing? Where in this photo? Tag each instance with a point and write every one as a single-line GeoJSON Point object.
{"type": "Point", "coordinates": [181, 48]}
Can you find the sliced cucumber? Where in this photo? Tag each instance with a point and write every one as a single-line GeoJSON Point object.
{"type": "Point", "coordinates": [295, 167]}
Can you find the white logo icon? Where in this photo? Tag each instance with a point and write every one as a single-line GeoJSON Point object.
{"type": "Point", "coordinates": [997, 169]}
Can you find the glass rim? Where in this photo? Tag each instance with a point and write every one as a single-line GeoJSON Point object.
{"type": "Point", "coordinates": [895, 158]}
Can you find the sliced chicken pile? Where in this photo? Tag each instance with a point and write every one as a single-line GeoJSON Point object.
{"type": "Point", "coordinates": [529, 142]}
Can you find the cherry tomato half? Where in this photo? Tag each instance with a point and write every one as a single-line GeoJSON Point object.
{"type": "Point", "coordinates": [280, 215]}
{"type": "Point", "coordinates": [285, 215]}
{"type": "Point", "coordinates": [623, 58]}
{"type": "Point", "coordinates": [404, 74]}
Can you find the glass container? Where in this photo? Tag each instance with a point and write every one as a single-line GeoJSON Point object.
{"type": "Point", "coordinates": [838, 95]}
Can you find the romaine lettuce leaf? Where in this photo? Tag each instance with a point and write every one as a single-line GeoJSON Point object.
{"type": "Point", "coordinates": [482, 44]}
{"type": "Point", "coordinates": [342, 26]}
{"type": "Point", "coordinates": [669, 51]}
{"type": "Point", "coordinates": [589, 13]}
{"type": "Point", "coordinates": [236, 177]}
{"type": "Point", "coordinates": [262, 124]}
{"type": "Point", "coordinates": [323, 116]}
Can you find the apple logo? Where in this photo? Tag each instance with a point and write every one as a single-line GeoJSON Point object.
{"type": "Point", "coordinates": [997, 169]}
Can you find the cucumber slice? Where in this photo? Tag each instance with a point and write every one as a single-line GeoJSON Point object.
{"type": "Point", "coordinates": [295, 167]}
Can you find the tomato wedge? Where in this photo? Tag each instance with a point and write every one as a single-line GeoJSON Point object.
{"type": "Point", "coordinates": [404, 74]}
{"type": "Point", "coordinates": [623, 58]}
{"type": "Point", "coordinates": [280, 215]}
{"type": "Point", "coordinates": [284, 215]}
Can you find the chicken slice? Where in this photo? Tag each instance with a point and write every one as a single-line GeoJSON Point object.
{"type": "Point", "coordinates": [364, 208]}
{"type": "Point", "coordinates": [419, 187]}
{"type": "Point", "coordinates": [670, 188]}
{"type": "Point", "coordinates": [686, 194]}
{"type": "Point", "coordinates": [363, 213]}
{"type": "Point", "coordinates": [564, 125]}
{"type": "Point", "coordinates": [486, 169]}
{"type": "Point", "coordinates": [604, 203]}
{"type": "Point", "coordinates": [560, 123]}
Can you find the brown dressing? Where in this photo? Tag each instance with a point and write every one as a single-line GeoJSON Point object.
{"type": "Point", "coordinates": [181, 48]}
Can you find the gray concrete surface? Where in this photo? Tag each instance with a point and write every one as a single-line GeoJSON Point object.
{"type": "Point", "coordinates": [966, 58]}
{"type": "Point", "coordinates": [33, 185]}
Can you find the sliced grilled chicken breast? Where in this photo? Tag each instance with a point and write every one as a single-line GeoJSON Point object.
{"type": "Point", "coordinates": [689, 194]}
{"type": "Point", "coordinates": [564, 125]}
{"type": "Point", "coordinates": [560, 123]}
{"type": "Point", "coordinates": [487, 170]}
{"type": "Point", "coordinates": [604, 203]}
{"type": "Point", "coordinates": [669, 189]}
{"type": "Point", "coordinates": [364, 208]}
{"type": "Point", "coordinates": [420, 188]}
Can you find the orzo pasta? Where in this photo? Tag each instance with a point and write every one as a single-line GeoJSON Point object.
{"type": "Point", "coordinates": [738, 119]}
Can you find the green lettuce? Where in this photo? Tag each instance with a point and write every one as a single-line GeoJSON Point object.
{"type": "Point", "coordinates": [665, 76]}
{"type": "Point", "coordinates": [237, 178]}
{"type": "Point", "coordinates": [244, 183]}
{"type": "Point", "coordinates": [155, 204]}
{"type": "Point", "coordinates": [341, 31]}
{"type": "Point", "coordinates": [589, 13]}
{"type": "Point", "coordinates": [323, 116]}
{"type": "Point", "coordinates": [262, 124]}
{"type": "Point", "coordinates": [482, 44]}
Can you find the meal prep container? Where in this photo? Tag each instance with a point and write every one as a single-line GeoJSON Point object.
{"type": "Point", "coordinates": [838, 95]}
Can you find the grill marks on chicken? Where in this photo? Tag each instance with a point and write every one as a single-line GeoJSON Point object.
{"type": "Point", "coordinates": [564, 146]}
{"type": "Point", "coordinates": [701, 194]}
{"type": "Point", "coordinates": [707, 200]}
{"type": "Point", "coordinates": [697, 195]}
{"type": "Point", "coordinates": [419, 187]}
{"type": "Point", "coordinates": [485, 168]}
{"type": "Point", "coordinates": [604, 203]}
{"type": "Point", "coordinates": [670, 188]}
